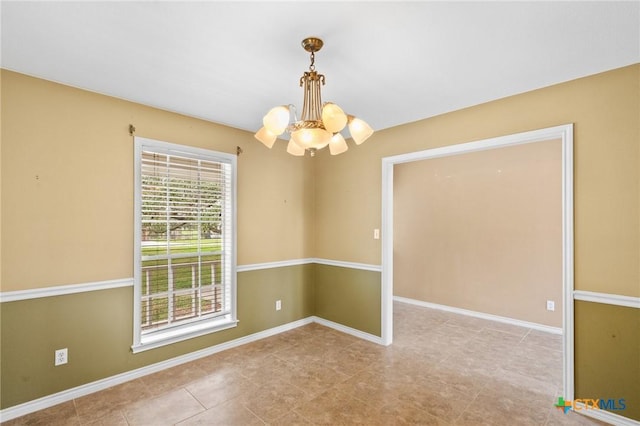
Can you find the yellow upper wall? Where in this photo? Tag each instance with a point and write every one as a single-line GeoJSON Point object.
{"type": "Point", "coordinates": [67, 185]}
{"type": "Point", "coordinates": [482, 231]}
{"type": "Point", "coordinates": [67, 180]}
{"type": "Point", "coordinates": [605, 109]}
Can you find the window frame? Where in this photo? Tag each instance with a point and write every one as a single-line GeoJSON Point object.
{"type": "Point", "coordinates": [167, 336]}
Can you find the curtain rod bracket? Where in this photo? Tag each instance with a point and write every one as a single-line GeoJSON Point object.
{"type": "Point", "coordinates": [132, 129]}
{"type": "Point", "coordinates": [238, 151]}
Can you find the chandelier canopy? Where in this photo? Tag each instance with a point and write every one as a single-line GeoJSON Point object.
{"type": "Point", "coordinates": [320, 124]}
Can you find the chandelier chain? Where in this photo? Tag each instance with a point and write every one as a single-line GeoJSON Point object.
{"type": "Point", "coordinates": [312, 67]}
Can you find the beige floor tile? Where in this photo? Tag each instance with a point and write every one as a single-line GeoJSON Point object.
{"type": "Point", "coordinates": [540, 386]}
{"type": "Point", "coordinates": [173, 378]}
{"type": "Point", "coordinates": [269, 345]}
{"type": "Point", "coordinates": [401, 413]}
{"type": "Point", "coordinates": [503, 339]}
{"type": "Point", "coordinates": [59, 415]}
{"type": "Point", "coordinates": [222, 362]}
{"type": "Point", "coordinates": [333, 408]}
{"type": "Point", "coordinates": [436, 398]}
{"type": "Point", "coordinates": [228, 413]}
{"type": "Point", "coordinates": [218, 388]}
{"type": "Point", "coordinates": [274, 399]}
{"type": "Point", "coordinates": [263, 371]}
{"type": "Point", "coordinates": [292, 418]}
{"type": "Point", "coordinates": [537, 339]}
{"type": "Point", "coordinates": [115, 418]}
{"type": "Point", "coordinates": [507, 405]}
{"type": "Point", "coordinates": [335, 340]}
{"type": "Point", "coordinates": [559, 418]}
{"type": "Point", "coordinates": [448, 335]}
{"type": "Point", "coordinates": [369, 387]}
{"type": "Point", "coordinates": [468, 323]}
{"type": "Point", "coordinates": [166, 409]}
{"type": "Point", "coordinates": [543, 364]}
{"type": "Point", "coordinates": [508, 328]}
{"type": "Point", "coordinates": [303, 353]}
{"type": "Point", "coordinates": [467, 382]}
{"type": "Point", "coordinates": [297, 334]}
{"type": "Point", "coordinates": [475, 362]}
{"type": "Point", "coordinates": [353, 359]}
{"type": "Point", "coordinates": [316, 378]}
{"type": "Point", "coordinates": [404, 362]}
{"type": "Point", "coordinates": [101, 404]}
{"type": "Point", "coordinates": [501, 416]}
{"type": "Point", "coordinates": [430, 346]}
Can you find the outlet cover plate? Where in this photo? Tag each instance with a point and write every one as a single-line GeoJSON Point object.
{"type": "Point", "coordinates": [61, 357]}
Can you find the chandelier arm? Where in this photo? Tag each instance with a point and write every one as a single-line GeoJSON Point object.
{"type": "Point", "coordinates": [292, 107]}
{"type": "Point", "coordinates": [316, 102]}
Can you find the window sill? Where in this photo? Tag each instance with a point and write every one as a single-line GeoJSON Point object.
{"type": "Point", "coordinates": [168, 337]}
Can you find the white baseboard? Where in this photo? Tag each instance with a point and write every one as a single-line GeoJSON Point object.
{"type": "Point", "coordinates": [79, 391]}
{"type": "Point", "coordinates": [608, 417]}
{"type": "Point", "coordinates": [348, 330]}
{"type": "Point", "coordinates": [482, 315]}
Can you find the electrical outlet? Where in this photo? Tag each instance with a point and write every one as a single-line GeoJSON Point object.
{"type": "Point", "coordinates": [376, 234]}
{"type": "Point", "coordinates": [551, 306]}
{"type": "Point", "coordinates": [61, 356]}
{"type": "Point", "coordinates": [278, 305]}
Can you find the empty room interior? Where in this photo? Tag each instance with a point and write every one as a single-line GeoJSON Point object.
{"type": "Point", "coordinates": [193, 233]}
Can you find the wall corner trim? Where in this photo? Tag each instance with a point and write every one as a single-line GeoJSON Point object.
{"type": "Point", "coordinates": [607, 298]}
{"type": "Point", "coordinates": [269, 265]}
{"type": "Point", "coordinates": [13, 296]}
{"type": "Point", "coordinates": [352, 265]}
{"type": "Point", "coordinates": [309, 260]}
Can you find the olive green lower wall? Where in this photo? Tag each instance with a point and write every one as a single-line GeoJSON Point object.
{"type": "Point", "coordinates": [607, 360]}
{"type": "Point", "coordinates": [350, 297]}
{"type": "Point", "coordinates": [97, 329]}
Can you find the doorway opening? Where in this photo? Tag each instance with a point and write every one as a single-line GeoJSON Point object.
{"type": "Point", "coordinates": [562, 134]}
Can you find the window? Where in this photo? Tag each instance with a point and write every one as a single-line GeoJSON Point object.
{"type": "Point", "coordinates": [184, 243]}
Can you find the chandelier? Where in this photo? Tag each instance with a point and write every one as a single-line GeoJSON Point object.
{"type": "Point", "coordinates": [320, 124]}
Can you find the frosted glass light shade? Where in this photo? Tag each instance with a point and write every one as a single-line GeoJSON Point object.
{"type": "Point", "coordinates": [276, 120]}
{"type": "Point", "coordinates": [266, 137]}
{"type": "Point", "coordinates": [311, 138]}
{"type": "Point", "coordinates": [337, 145]}
{"type": "Point", "coordinates": [333, 117]}
{"type": "Point", "coordinates": [359, 130]}
{"type": "Point", "coordinates": [295, 149]}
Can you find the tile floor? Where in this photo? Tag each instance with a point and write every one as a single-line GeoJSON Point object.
{"type": "Point", "coordinates": [442, 369]}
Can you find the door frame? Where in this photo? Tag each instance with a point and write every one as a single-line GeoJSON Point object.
{"type": "Point", "coordinates": [562, 132]}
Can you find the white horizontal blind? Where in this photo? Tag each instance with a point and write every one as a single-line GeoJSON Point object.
{"type": "Point", "coordinates": [185, 236]}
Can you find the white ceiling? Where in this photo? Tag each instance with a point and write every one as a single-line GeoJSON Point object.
{"type": "Point", "coordinates": [389, 63]}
